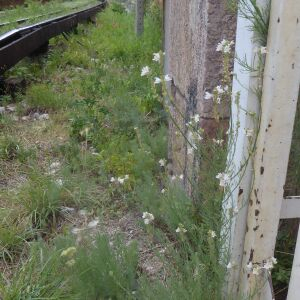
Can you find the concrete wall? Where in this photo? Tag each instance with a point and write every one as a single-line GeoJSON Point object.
{"type": "Point", "coordinates": [193, 28]}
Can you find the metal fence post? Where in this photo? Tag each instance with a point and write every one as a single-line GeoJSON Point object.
{"type": "Point", "coordinates": [139, 22]}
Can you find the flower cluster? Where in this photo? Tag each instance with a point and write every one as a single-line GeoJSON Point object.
{"type": "Point", "coordinates": [174, 177]}
{"type": "Point", "coordinates": [267, 265]}
{"type": "Point", "coordinates": [225, 46]}
{"type": "Point", "coordinates": [166, 78]}
{"type": "Point", "coordinates": [119, 180]}
{"type": "Point", "coordinates": [148, 218]}
{"type": "Point", "coordinates": [180, 229]}
{"type": "Point", "coordinates": [218, 142]}
{"type": "Point", "coordinates": [224, 179]}
{"type": "Point", "coordinates": [162, 162]}
{"type": "Point", "coordinates": [146, 70]}
{"type": "Point", "coordinates": [261, 50]}
{"type": "Point", "coordinates": [212, 233]}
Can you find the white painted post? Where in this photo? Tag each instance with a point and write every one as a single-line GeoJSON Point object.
{"type": "Point", "coordinates": [139, 18]}
{"type": "Point", "coordinates": [279, 101]}
{"type": "Point", "coordinates": [245, 83]}
{"type": "Point", "coordinates": [294, 286]}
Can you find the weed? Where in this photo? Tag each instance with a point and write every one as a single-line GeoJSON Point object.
{"type": "Point", "coordinates": [40, 277]}
{"type": "Point", "coordinates": [43, 98]}
{"type": "Point", "coordinates": [11, 148]}
{"type": "Point", "coordinates": [104, 271]}
{"type": "Point", "coordinates": [41, 198]}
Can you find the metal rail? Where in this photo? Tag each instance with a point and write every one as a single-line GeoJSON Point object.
{"type": "Point", "coordinates": [19, 43]}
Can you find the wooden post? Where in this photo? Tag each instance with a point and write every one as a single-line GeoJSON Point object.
{"type": "Point", "coordinates": [139, 21]}
{"type": "Point", "coordinates": [279, 101]}
{"type": "Point", "coordinates": [245, 84]}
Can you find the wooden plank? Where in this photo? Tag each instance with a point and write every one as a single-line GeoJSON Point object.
{"type": "Point", "coordinates": [290, 208]}
{"type": "Point", "coordinates": [244, 83]}
{"type": "Point", "coordinates": [294, 286]}
{"type": "Point", "coordinates": [279, 101]}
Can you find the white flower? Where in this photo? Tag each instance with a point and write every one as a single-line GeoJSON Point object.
{"type": "Point", "coordinates": [126, 177]}
{"type": "Point", "coordinates": [249, 266]}
{"type": "Point", "coordinates": [181, 229]}
{"type": "Point", "coordinates": [168, 78]}
{"type": "Point", "coordinates": [229, 266]}
{"type": "Point", "coordinates": [55, 165]}
{"type": "Point", "coordinates": [173, 177]}
{"type": "Point", "coordinates": [157, 80]}
{"type": "Point", "coordinates": [208, 96]}
{"type": "Point", "coordinates": [274, 260]}
{"type": "Point", "coordinates": [121, 180]}
{"type": "Point", "coordinates": [93, 223]}
{"type": "Point", "coordinates": [59, 182]}
{"type": "Point", "coordinates": [148, 218]}
{"type": "Point", "coordinates": [212, 233]}
{"type": "Point", "coordinates": [256, 270]}
{"type": "Point", "coordinates": [156, 57]}
{"type": "Point", "coordinates": [196, 118]}
{"type": "Point", "coordinates": [224, 179]}
{"type": "Point", "coordinates": [269, 264]}
{"type": "Point", "coordinates": [224, 46]}
{"type": "Point", "coordinates": [181, 176]}
{"type": "Point", "coordinates": [248, 132]}
{"type": "Point", "coordinates": [43, 117]}
{"type": "Point", "coordinates": [112, 179]}
{"type": "Point", "coordinates": [220, 89]}
{"type": "Point", "coordinates": [235, 210]}
{"type": "Point", "coordinates": [145, 71]}
{"type": "Point", "coordinates": [218, 142]}
{"type": "Point", "coordinates": [163, 191]}
{"type": "Point", "coordinates": [263, 50]}
{"type": "Point", "coordinates": [162, 162]}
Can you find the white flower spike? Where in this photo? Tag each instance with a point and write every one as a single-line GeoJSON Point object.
{"type": "Point", "coordinates": [224, 46]}
{"type": "Point", "coordinates": [145, 71]}
{"type": "Point", "coordinates": [212, 233]}
{"type": "Point", "coordinates": [148, 218]}
{"type": "Point", "coordinates": [156, 57]}
{"type": "Point", "coordinates": [162, 162]}
{"type": "Point", "coordinates": [181, 229]}
{"type": "Point", "coordinates": [168, 78]}
{"type": "Point", "coordinates": [157, 80]}
{"type": "Point", "coordinates": [208, 96]}
{"type": "Point", "coordinates": [224, 179]}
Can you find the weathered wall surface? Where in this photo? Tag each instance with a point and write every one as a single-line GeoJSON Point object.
{"type": "Point", "coordinates": [193, 28]}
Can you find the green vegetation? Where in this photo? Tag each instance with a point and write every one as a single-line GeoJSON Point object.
{"type": "Point", "coordinates": [67, 182]}
{"type": "Point", "coordinates": [33, 11]}
{"type": "Point", "coordinates": [42, 97]}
